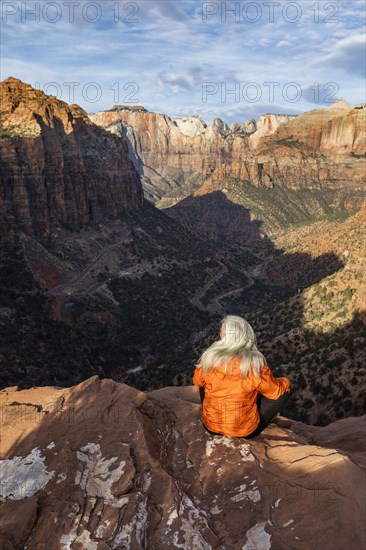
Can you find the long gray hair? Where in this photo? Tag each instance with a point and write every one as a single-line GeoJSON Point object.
{"type": "Point", "coordinates": [239, 340]}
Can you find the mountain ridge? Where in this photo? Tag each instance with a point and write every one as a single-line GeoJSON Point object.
{"type": "Point", "coordinates": [338, 104]}
{"type": "Point", "coordinates": [177, 157]}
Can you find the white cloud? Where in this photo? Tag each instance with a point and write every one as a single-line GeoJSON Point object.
{"type": "Point", "coordinates": [169, 52]}
{"type": "Point", "coordinates": [348, 54]}
{"type": "Point", "coordinates": [283, 44]}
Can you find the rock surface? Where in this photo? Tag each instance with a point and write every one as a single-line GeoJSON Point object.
{"type": "Point", "coordinates": [103, 465]}
{"type": "Point", "coordinates": [321, 148]}
{"type": "Point", "coordinates": [58, 169]}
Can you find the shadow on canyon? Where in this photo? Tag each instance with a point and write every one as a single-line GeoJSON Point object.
{"type": "Point", "coordinates": [156, 327]}
{"type": "Point", "coordinates": [278, 324]}
{"type": "Point", "coordinates": [230, 225]}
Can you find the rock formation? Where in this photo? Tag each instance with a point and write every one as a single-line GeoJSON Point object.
{"type": "Point", "coordinates": [319, 149]}
{"type": "Point", "coordinates": [59, 171]}
{"type": "Point", "coordinates": [103, 465]}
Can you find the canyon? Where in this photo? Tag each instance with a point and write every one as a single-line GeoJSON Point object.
{"type": "Point", "coordinates": [120, 255]}
{"type": "Point", "coordinates": [132, 292]}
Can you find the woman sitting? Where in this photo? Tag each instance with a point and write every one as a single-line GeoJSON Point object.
{"type": "Point", "coordinates": [239, 394]}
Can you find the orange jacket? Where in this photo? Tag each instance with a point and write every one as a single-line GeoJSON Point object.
{"type": "Point", "coordinates": [229, 406]}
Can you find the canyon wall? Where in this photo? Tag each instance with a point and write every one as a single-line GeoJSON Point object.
{"type": "Point", "coordinates": [58, 170]}
{"type": "Point", "coordinates": [321, 148]}
{"type": "Point", "coordinates": [172, 155]}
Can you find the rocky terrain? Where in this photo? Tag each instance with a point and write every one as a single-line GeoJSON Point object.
{"type": "Point", "coordinates": [102, 465]}
{"type": "Point", "coordinates": [285, 169]}
{"type": "Point", "coordinates": [59, 171]}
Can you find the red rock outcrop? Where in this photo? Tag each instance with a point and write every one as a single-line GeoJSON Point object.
{"type": "Point", "coordinates": [103, 465]}
{"type": "Point", "coordinates": [58, 170]}
{"type": "Point", "coordinates": [321, 148]}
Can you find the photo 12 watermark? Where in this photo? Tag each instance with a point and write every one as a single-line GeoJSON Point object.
{"type": "Point", "coordinates": [286, 491]}
{"type": "Point", "coordinates": [70, 11]}
{"type": "Point", "coordinates": [44, 416]}
{"type": "Point", "coordinates": [271, 91]}
{"type": "Point", "coordinates": [92, 92]}
{"type": "Point", "coordinates": [269, 12]}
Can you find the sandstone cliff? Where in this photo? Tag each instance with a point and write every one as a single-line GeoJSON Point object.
{"type": "Point", "coordinates": [58, 170]}
{"type": "Point", "coordinates": [319, 149]}
{"type": "Point", "coordinates": [102, 465]}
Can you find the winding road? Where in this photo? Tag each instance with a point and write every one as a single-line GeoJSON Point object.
{"type": "Point", "coordinates": [219, 297]}
{"type": "Point", "coordinates": [70, 287]}
{"type": "Point", "coordinates": [196, 300]}
{"type": "Point", "coordinates": [215, 305]}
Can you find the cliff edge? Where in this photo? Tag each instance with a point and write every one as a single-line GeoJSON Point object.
{"type": "Point", "coordinates": [102, 465]}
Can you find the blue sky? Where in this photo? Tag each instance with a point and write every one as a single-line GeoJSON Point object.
{"type": "Point", "coordinates": [183, 57]}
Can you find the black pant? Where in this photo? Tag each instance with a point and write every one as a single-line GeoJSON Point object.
{"type": "Point", "coordinates": [268, 408]}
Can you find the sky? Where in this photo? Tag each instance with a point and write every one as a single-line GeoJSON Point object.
{"type": "Point", "coordinates": [234, 60]}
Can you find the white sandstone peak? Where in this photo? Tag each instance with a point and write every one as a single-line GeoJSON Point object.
{"type": "Point", "coordinates": [340, 104]}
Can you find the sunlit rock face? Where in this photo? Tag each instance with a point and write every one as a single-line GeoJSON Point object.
{"type": "Point", "coordinates": [103, 465]}
{"type": "Point", "coordinates": [321, 148]}
{"type": "Point", "coordinates": [58, 170]}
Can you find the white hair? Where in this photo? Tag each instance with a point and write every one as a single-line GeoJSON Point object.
{"type": "Point", "coordinates": [239, 340]}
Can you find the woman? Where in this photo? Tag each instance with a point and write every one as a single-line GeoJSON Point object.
{"type": "Point", "coordinates": [231, 405]}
